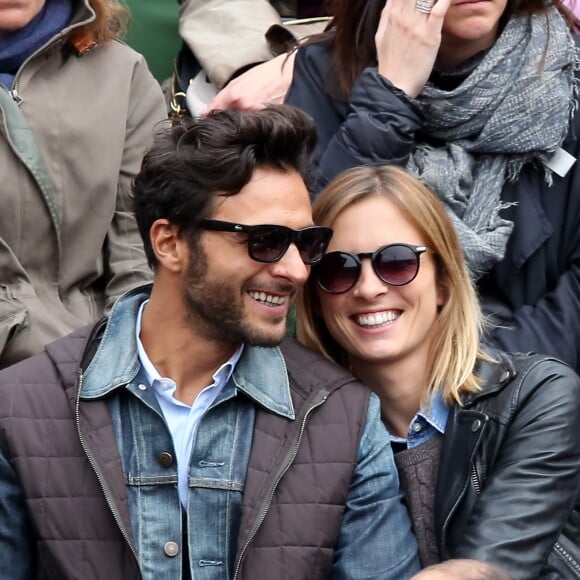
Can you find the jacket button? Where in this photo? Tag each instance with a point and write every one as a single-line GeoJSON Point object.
{"type": "Point", "coordinates": [475, 425]}
{"type": "Point", "coordinates": [171, 549]}
{"type": "Point", "coordinates": [166, 459]}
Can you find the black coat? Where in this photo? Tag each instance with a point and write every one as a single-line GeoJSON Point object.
{"type": "Point", "coordinates": [534, 293]}
{"type": "Point", "coordinates": [509, 472]}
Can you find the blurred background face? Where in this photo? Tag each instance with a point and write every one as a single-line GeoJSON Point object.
{"type": "Point", "coordinates": [471, 25]}
{"type": "Point", "coordinates": [16, 14]}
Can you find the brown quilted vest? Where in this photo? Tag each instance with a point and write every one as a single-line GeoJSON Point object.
{"type": "Point", "coordinates": [297, 482]}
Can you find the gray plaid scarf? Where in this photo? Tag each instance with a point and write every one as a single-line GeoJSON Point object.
{"type": "Point", "coordinates": [513, 108]}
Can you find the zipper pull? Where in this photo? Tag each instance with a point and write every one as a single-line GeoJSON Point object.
{"type": "Point", "coordinates": [16, 97]}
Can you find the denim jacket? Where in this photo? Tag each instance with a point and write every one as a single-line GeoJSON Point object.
{"type": "Point", "coordinates": [375, 539]}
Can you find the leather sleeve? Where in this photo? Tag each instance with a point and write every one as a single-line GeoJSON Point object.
{"type": "Point", "coordinates": [534, 482]}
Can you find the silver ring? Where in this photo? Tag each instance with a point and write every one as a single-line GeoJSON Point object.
{"type": "Point", "coordinates": [424, 6]}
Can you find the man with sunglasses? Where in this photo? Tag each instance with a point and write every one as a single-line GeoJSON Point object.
{"type": "Point", "coordinates": [175, 439]}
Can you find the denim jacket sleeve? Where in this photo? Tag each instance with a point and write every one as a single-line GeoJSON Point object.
{"type": "Point", "coordinates": [15, 533]}
{"type": "Point", "coordinates": [376, 540]}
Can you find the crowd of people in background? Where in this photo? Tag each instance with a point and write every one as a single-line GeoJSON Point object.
{"type": "Point", "coordinates": [401, 178]}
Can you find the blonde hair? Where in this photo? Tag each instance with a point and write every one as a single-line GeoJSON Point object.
{"type": "Point", "coordinates": [111, 21]}
{"type": "Point", "coordinates": [455, 346]}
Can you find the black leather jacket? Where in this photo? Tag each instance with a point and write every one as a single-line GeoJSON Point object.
{"type": "Point", "coordinates": [509, 475]}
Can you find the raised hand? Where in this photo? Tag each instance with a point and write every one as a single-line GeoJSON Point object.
{"type": "Point", "coordinates": [407, 41]}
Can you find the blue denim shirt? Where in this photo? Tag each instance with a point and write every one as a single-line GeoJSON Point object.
{"type": "Point", "coordinates": [375, 539]}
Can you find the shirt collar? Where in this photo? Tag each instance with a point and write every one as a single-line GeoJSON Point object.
{"type": "Point", "coordinates": [260, 372]}
{"type": "Point", "coordinates": [220, 377]}
{"type": "Point", "coordinates": [436, 413]}
{"type": "Point", "coordinates": [262, 375]}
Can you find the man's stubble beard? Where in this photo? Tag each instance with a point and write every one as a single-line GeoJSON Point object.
{"type": "Point", "coordinates": [217, 310]}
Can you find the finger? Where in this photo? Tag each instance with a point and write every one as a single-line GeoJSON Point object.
{"type": "Point", "coordinates": [382, 24]}
{"type": "Point", "coordinates": [423, 7]}
{"type": "Point", "coordinates": [440, 9]}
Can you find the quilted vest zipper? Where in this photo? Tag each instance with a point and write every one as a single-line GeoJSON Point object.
{"type": "Point", "coordinates": [283, 469]}
{"type": "Point", "coordinates": [100, 478]}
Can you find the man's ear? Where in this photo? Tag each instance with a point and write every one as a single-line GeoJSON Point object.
{"type": "Point", "coordinates": [168, 245]}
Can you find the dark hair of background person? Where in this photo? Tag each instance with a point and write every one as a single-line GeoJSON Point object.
{"type": "Point", "coordinates": [197, 159]}
{"type": "Point", "coordinates": [352, 37]}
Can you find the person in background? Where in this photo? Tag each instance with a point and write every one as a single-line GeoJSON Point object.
{"type": "Point", "coordinates": [176, 440]}
{"type": "Point", "coordinates": [463, 570]}
{"type": "Point", "coordinates": [227, 38]}
{"type": "Point", "coordinates": [78, 110]}
{"type": "Point", "coordinates": [485, 441]}
{"type": "Point", "coordinates": [478, 101]}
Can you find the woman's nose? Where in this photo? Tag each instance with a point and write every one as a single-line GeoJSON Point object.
{"type": "Point", "coordinates": [369, 284]}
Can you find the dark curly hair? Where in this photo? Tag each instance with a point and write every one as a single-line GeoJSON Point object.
{"type": "Point", "coordinates": [195, 160]}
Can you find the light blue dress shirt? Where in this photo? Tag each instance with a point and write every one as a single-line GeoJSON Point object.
{"type": "Point", "coordinates": [182, 419]}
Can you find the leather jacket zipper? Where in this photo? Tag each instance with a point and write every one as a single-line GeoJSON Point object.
{"type": "Point", "coordinates": [570, 563]}
{"type": "Point", "coordinates": [283, 469]}
{"type": "Point", "coordinates": [100, 477]}
{"type": "Point", "coordinates": [475, 479]}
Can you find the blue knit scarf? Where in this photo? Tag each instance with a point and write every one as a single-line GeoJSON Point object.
{"type": "Point", "coordinates": [17, 46]}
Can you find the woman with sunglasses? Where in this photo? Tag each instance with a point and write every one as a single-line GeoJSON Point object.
{"type": "Point", "coordinates": [487, 443]}
{"type": "Point", "coordinates": [476, 98]}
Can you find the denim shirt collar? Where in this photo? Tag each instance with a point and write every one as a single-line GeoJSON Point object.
{"type": "Point", "coordinates": [260, 373]}
{"type": "Point", "coordinates": [435, 415]}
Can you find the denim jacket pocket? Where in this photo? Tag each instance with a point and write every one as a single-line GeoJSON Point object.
{"type": "Point", "coordinates": [13, 316]}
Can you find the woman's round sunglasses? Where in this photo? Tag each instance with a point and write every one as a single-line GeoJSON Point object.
{"type": "Point", "coordinates": [395, 264]}
{"type": "Point", "coordinates": [268, 243]}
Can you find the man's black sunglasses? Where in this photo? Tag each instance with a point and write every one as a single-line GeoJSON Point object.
{"type": "Point", "coordinates": [395, 264]}
{"type": "Point", "coordinates": [268, 243]}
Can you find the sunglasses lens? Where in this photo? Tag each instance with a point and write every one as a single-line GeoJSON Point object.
{"type": "Point", "coordinates": [312, 243]}
{"type": "Point", "coordinates": [337, 272]}
{"type": "Point", "coordinates": [268, 243]}
{"type": "Point", "coordinates": [397, 264]}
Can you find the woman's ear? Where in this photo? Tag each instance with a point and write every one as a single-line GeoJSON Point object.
{"type": "Point", "coordinates": [168, 245]}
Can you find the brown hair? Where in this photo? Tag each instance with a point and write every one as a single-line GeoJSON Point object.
{"type": "Point", "coordinates": [111, 21]}
{"type": "Point", "coordinates": [455, 348]}
{"type": "Point", "coordinates": [198, 159]}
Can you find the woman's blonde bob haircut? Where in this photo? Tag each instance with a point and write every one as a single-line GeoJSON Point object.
{"type": "Point", "coordinates": [455, 346]}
